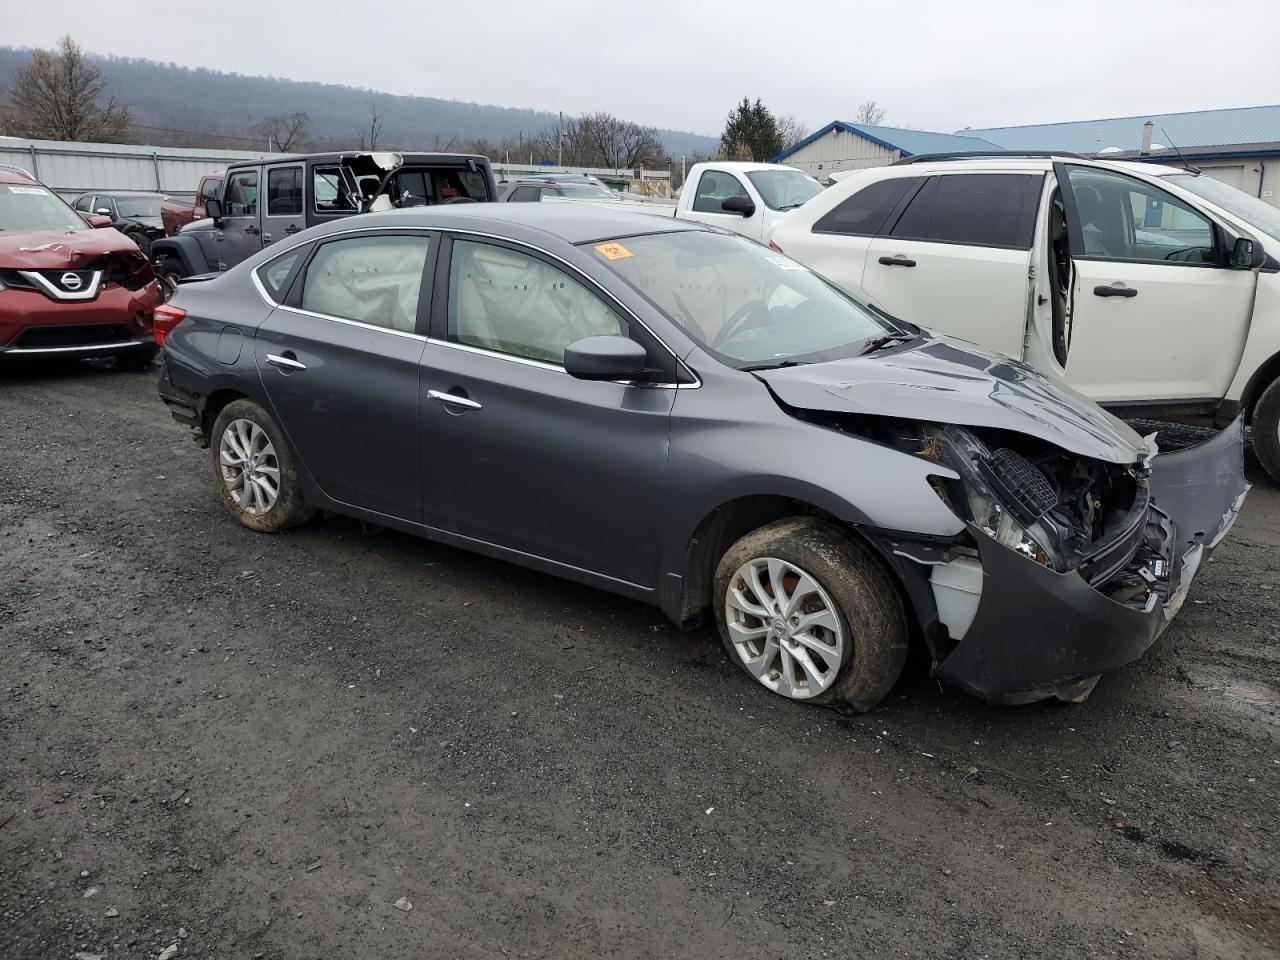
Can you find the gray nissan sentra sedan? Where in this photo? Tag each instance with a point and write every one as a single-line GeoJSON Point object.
{"type": "Point", "coordinates": [679, 415]}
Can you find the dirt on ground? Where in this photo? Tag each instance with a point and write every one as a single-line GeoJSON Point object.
{"type": "Point", "coordinates": [344, 743]}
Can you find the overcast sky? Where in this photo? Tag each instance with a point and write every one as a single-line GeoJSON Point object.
{"type": "Point", "coordinates": [933, 64]}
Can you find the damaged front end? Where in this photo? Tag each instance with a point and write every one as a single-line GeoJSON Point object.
{"type": "Point", "coordinates": [1071, 566]}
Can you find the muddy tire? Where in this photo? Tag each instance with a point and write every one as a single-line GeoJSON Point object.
{"type": "Point", "coordinates": [1266, 430]}
{"type": "Point", "coordinates": [800, 590]}
{"type": "Point", "coordinates": [254, 470]}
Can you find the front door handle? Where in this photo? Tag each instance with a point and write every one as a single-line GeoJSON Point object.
{"type": "Point", "coordinates": [286, 363]}
{"type": "Point", "coordinates": [252, 231]}
{"type": "Point", "coordinates": [1115, 290]}
{"type": "Point", "coordinates": [453, 400]}
{"type": "Point", "coordinates": [898, 261]}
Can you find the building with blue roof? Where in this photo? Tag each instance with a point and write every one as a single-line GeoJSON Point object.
{"type": "Point", "coordinates": [1238, 145]}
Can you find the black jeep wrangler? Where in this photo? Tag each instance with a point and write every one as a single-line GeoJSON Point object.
{"type": "Point", "coordinates": [304, 191]}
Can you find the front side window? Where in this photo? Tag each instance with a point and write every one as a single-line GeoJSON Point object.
{"type": "Point", "coordinates": [715, 187]}
{"type": "Point", "coordinates": [513, 303]}
{"type": "Point", "coordinates": [242, 194]}
{"type": "Point", "coordinates": [524, 195]}
{"type": "Point", "coordinates": [976, 209]}
{"type": "Point", "coordinates": [865, 213]}
{"type": "Point", "coordinates": [1123, 218]}
{"type": "Point", "coordinates": [32, 208]}
{"type": "Point", "coordinates": [373, 280]}
{"type": "Point", "coordinates": [284, 191]}
{"type": "Point", "coordinates": [747, 304]}
{"type": "Point", "coordinates": [84, 203]}
{"type": "Point", "coordinates": [211, 190]}
{"type": "Point", "coordinates": [784, 189]}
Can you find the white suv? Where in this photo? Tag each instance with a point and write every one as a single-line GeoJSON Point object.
{"type": "Point", "coordinates": [1147, 288]}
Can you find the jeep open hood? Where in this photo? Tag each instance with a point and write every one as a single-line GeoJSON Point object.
{"type": "Point", "coordinates": [948, 381]}
{"type": "Point", "coordinates": [54, 250]}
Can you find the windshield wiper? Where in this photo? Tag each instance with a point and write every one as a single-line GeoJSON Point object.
{"type": "Point", "coordinates": [883, 341]}
{"type": "Point", "coordinates": [775, 365]}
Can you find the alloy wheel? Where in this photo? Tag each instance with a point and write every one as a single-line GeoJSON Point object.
{"type": "Point", "coordinates": [249, 466]}
{"type": "Point", "coordinates": [784, 627]}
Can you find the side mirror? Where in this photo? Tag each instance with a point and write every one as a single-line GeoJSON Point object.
{"type": "Point", "coordinates": [742, 205]}
{"type": "Point", "coordinates": [213, 208]}
{"type": "Point", "coordinates": [605, 358]}
{"type": "Point", "coordinates": [1247, 254]}
{"type": "Point", "coordinates": [98, 222]}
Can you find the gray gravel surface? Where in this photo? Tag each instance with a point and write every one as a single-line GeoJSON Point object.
{"type": "Point", "coordinates": [337, 743]}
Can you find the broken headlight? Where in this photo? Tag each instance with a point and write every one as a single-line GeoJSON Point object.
{"type": "Point", "coordinates": [1002, 493]}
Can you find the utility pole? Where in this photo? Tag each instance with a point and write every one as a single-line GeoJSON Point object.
{"type": "Point", "coordinates": [560, 140]}
{"type": "Point", "coordinates": [682, 171]}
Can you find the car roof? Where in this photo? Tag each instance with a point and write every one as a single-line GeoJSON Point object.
{"type": "Point", "coordinates": [122, 193]}
{"type": "Point", "coordinates": [570, 222]}
{"type": "Point", "coordinates": [405, 156]}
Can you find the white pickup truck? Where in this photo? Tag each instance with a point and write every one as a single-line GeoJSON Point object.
{"type": "Point", "coordinates": [747, 198]}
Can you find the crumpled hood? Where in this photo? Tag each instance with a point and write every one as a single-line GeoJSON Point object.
{"type": "Point", "coordinates": [950, 381]}
{"type": "Point", "coordinates": [156, 223]}
{"type": "Point", "coordinates": [51, 250]}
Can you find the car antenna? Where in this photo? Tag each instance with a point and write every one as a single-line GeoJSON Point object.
{"type": "Point", "coordinates": [1165, 134]}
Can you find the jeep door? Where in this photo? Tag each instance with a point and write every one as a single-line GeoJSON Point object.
{"type": "Point", "coordinates": [284, 214]}
{"type": "Point", "coordinates": [241, 228]}
{"type": "Point", "coordinates": [1158, 314]}
{"type": "Point", "coordinates": [957, 257]}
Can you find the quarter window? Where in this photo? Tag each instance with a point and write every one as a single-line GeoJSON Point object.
{"type": "Point", "coordinates": [865, 213]}
{"type": "Point", "coordinates": [374, 280]}
{"type": "Point", "coordinates": [242, 194]}
{"type": "Point", "coordinates": [714, 188]}
{"type": "Point", "coordinates": [978, 209]}
{"type": "Point", "coordinates": [512, 303]}
{"type": "Point", "coordinates": [276, 273]}
{"type": "Point", "coordinates": [284, 192]}
{"type": "Point", "coordinates": [1122, 218]}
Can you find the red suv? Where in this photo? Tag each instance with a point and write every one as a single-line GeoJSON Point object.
{"type": "Point", "coordinates": [66, 288]}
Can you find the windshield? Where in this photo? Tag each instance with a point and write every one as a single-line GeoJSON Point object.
{"type": "Point", "coordinates": [748, 305]}
{"type": "Point", "coordinates": [30, 209]}
{"type": "Point", "coordinates": [1251, 210]}
{"type": "Point", "coordinates": [138, 206]}
{"type": "Point", "coordinates": [585, 191]}
{"type": "Point", "coordinates": [784, 189]}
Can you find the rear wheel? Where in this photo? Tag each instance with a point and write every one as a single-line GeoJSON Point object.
{"type": "Point", "coordinates": [811, 614]}
{"type": "Point", "coordinates": [1266, 430]}
{"type": "Point", "coordinates": [254, 470]}
{"type": "Point", "coordinates": [168, 272]}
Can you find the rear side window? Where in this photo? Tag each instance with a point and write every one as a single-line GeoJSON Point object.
{"type": "Point", "coordinates": [865, 213]}
{"type": "Point", "coordinates": [284, 191]}
{"type": "Point", "coordinates": [373, 280]}
{"type": "Point", "coordinates": [978, 209]}
{"type": "Point", "coordinates": [330, 193]}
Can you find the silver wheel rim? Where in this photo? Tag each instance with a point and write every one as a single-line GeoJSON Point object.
{"type": "Point", "coordinates": [249, 467]}
{"type": "Point", "coordinates": [784, 628]}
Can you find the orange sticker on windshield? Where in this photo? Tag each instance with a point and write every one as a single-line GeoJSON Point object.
{"type": "Point", "coordinates": [613, 251]}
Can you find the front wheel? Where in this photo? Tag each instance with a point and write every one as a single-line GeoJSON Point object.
{"type": "Point", "coordinates": [168, 272]}
{"type": "Point", "coordinates": [811, 614]}
{"type": "Point", "coordinates": [1266, 430]}
{"type": "Point", "coordinates": [254, 470]}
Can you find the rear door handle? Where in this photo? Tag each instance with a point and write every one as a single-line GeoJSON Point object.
{"type": "Point", "coordinates": [266, 238]}
{"type": "Point", "coordinates": [898, 261]}
{"type": "Point", "coordinates": [252, 231]}
{"type": "Point", "coordinates": [1116, 290]}
{"type": "Point", "coordinates": [453, 400]}
{"type": "Point", "coordinates": [292, 228]}
{"type": "Point", "coordinates": [285, 363]}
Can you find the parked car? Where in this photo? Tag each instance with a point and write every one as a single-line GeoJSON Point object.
{"type": "Point", "coordinates": [748, 198]}
{"type": "Point", "coordinates": [679, 415]}
{"type": "Point", "coordinates": [1149, 289]}
{"type": "Point", "coordinates": [303, 191]}
{"type": "Point", "coordinates": [70, 286]}
{"type": "Point", "coordinates": [178, 213]}
{"type": "Point", "coordinates": [532, 190]}
{"type": "Point", "coordinates": [136, 215]}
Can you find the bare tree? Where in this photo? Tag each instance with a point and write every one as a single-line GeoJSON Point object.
{"type": "Point", "coordinates": [870, 113]}
{"type": "Point", "coordinates": [369, 138]}
{"type": "Point", "coordinates": [56, 96]}
{"type": "Point", "coordinates": [791, 130]}
{"type": "Point", "coordinates": [285, 131]}
{"type": "Point", "coordinates": [600, 140]}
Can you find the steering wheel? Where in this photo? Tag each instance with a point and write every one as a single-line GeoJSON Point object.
{"type": "Point", "coordinates": [1186, 254]}
{"type": "Point", "coordinates": [740, 316]}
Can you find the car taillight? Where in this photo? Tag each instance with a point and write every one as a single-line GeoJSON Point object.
{"type": "Point", "coordinates": [774, 247]}
{"type": "Point", "coordinates": [166, 318]}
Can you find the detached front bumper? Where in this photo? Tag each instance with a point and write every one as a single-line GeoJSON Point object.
{"type": "Point", "coordinates": [1037, 633]}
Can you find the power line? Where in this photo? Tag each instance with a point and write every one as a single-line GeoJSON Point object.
{"type": "Point", "coordinates": [197, 133]}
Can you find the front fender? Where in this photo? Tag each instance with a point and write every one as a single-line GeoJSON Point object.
{"type": "Point", "coordinates": [186, 249]}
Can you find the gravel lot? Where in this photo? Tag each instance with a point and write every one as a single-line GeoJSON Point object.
{"type": "Point", "coordinates": [257, 745]}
